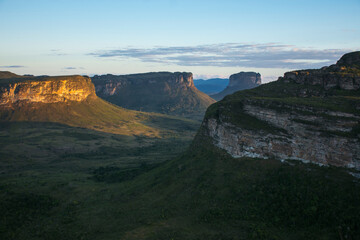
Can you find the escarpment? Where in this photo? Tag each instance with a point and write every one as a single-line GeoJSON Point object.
{"type": "Point", "coordinates": [345, 74]}
{"type": "Point", "coordinates": [239, 81]}
{"type": "Point", "coordinates": [45, 89]}
{"type": "Point", "coordinates": [163, 92]}
{"type": "Point", "coordinates": [311, 116]}
{"type": "Point", "coordinates": [69, 100]}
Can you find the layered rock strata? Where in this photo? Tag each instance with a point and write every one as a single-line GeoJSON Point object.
{"type": "Point", "coordinates": [46, 89]}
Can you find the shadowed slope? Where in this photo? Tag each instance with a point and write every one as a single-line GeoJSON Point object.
{"type": "Point", "coordinates": [162, 92]}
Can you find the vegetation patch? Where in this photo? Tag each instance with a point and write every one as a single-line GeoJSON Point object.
{"type": "Point", "coordinates": [110, 174]}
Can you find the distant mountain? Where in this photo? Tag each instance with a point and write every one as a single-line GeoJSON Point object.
{"type": "Point", "coordinates": [162, 92]}
{"type": "Point", "coordinates": [211, 86]}
{"type": "Point", "coordinates": [239, 81]}
{"type": "Point", "coordinates": [7, 74]}
{"type": "Point", "coordinates": [70, 100]}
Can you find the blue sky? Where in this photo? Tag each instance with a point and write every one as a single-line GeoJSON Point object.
{"type": "Point", "coordinates": [209, 38]}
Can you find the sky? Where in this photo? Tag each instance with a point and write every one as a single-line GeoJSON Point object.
{"type": "Point", "coordinates": [208, 38]}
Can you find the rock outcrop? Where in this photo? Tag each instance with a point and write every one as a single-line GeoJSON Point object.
{"type": "Point", "coordinates": [45, 89]}
{"type": "Point", "coordinates": [239, 81]}
{"type": "Point", "coordinates": [345, 74]}
{"type": "Point", "coordinates": [163, 92]}
{"type": "Point", "coordinates": [304, 116]}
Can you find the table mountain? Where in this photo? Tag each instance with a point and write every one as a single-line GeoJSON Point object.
{"type": "Point", "coordinates": [163, 92]}
{"type": "Point", "coordinates": [239, 81]}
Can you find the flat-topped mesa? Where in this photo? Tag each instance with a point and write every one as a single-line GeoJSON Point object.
{"type": "Point", "coordinates": [45, 89]}
{"type": "Point", "coordinates": [108, 85]}
{"type": "Point", "coordinates": [162, 92]}
{"type": "Point", "coordinates": [239, 81]}
{"type": "Point", "coordinates": [245, 80]}
{"type": "Point", "coordinates": [345, 74]}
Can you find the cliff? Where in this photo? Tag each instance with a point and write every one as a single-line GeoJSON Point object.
{"type": "Point", "coordinates": [71, 100]}
{"type": "Point", "coordinates": [239, 81]}
{"type": "Point", "coordinates": [163, 92]}
{"type": "Point", "coordinates": [308, 115]}
{"type": "Point", "coordinates": [45, 89]}
{"type": "Point", "coordinates": [345, 74]}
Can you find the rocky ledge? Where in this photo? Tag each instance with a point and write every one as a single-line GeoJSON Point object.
{"type": "Point", "coordinates": [345, 74]}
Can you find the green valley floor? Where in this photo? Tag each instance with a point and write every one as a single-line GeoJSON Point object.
{"type": "Point", "coordinates": [61, 182]}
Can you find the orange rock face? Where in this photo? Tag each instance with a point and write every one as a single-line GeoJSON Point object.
{"type": "Point", "coordinates": [46, 90]}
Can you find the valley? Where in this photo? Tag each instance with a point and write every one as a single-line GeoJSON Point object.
{"type": "Point", "coordinates": [70, 183]}
{"type": "Point", "coordinates": [179, 120]}
{"type": "Point", "coordinates": [279, 161]}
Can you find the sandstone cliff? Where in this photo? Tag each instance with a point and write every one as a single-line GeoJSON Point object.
{"type": "Point", "coordinates": [239, 81]}
{"type": "Point", "coordinates": [71, 100]}
{"type": "Point", "coordinates": [163, 92]}
{"type": "Point", "coordinates": [45, 89]}
{"type": "Point", "coordinates": [308, 115]}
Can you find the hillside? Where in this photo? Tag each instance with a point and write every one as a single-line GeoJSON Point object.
{"type": "Point", "coordinates": [239, 81]}
{"type": "Point", "coordinates": [211, 86]}
{"type": "Point", "coordinates": [308, 115]}
{"type": "Point", "coordinates": [71, 100]}
{"type": "Point", "coordinates": [162, 92]}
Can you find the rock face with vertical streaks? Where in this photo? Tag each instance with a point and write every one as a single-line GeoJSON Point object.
{"type": "Point", "coordinates": [45, 89]}
{"type": "Point", "coordinates": [163, 92]}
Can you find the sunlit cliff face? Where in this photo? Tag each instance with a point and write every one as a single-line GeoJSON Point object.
{"type": "Point", "coordinates": [48, 90]}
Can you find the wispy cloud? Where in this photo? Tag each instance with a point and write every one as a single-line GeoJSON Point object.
{"type": "Point", "coordinates": [268, 55]}
{"type": "Point", "coordinates": [73, 68]}
{"type": "Point", "coordinates": [57, 52]}
{"type": "Point", "coordinates": [13, 66]}
{"type": "Point", "coordinates": [208, 76]}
